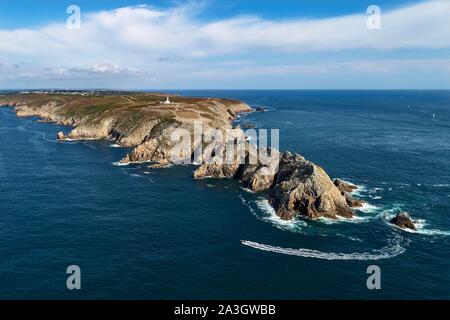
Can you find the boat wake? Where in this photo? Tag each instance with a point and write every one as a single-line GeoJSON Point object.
{"type": "Point", "coordinates": [393, 249]}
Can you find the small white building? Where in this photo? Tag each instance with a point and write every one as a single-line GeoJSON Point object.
{"type": "Point", "coordinates": [167, 101]}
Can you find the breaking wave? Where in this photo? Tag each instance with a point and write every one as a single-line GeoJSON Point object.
{"type": "Point", "coordinates": [262, 210]}
{"type": "Point", "coordinates": [368, 208]}
{"type": "Point", "coordinates": [441, 185]}
{"type": "Point", "coordinates": [393, 249]}
{"type": "Point", "coordinates": [420, 229]}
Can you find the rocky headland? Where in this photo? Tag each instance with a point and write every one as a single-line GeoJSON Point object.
{"type": "Point", "coordinates": [147, 122]}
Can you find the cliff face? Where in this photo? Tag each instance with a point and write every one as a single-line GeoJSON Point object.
{"type": "Point", "coordinates": [294, 185]}
{"type": "Point", "coordinates": [303, 188]}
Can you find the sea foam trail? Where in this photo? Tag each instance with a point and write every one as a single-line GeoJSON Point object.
{"type": "Point", "coordinates": [392, 250]}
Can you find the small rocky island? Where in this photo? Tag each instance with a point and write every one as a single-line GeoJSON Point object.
{"type": "Point", "coordinates": [403, 220]}
{"type": "Point", "coordinates": [146, 122]}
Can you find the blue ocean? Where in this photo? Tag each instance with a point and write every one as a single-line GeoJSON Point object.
{"type": "Point", "coordinates": [140, 233]}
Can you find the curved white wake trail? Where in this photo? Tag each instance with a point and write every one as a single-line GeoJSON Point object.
{"type": "Point", "coordinates": [390, 251]}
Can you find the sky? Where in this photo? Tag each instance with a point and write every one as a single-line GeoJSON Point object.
{"type": "Point", "coordinates": [233, 44]}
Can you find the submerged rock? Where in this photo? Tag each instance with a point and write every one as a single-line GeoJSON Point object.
{"type": "Point", "coordinates": [260, 176]}
{"type": "Point", "coordinates": [404, 221]}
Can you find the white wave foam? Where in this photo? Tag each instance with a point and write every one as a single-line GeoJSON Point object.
{"type": "Point", "coordinates": [360, 191]}
{"type": "Point", "coordinates": [354, 219]}
{"type": "Point", "coordinates": [363, 191]}
{"type": "Point", "coordinates": [419, 223]}
{"type": "Point", "coordinates": [247, 190]}
{"type": "Point", "coordinates": [115, 146]}
{"type": "Point", "coordinates": [393, 249]}
{"type": "Point", "coordinates": [120, 164]}
{"type": "Point", "coordinates": [420, 229]}
{"type": "Point", "coordinates": [368, 208]}
{"type": "Point", "coordinates": [135, 175]}
{"type": "Point", "coordinates": [431, 232]}
{"type": "Point", "coordinates": [271, 216]}
{"type": "Point", "coordinates": [404, 184]}
{"type": "Point", "coordinates": [265, 212]}
{"type": "Point", "coordinates": [80, 139]}
{"type": "Point", "coordinates": [355, 239]}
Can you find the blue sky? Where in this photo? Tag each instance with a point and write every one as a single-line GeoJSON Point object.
{"type": "Point", "coordinates": [290, 44]}
{"type": "Point", "coordinates": [31, 13]}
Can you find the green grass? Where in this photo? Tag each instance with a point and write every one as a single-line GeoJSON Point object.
{"type": "Point", "coordinates": [158, 129]}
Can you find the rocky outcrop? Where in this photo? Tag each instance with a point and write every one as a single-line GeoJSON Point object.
{"type": "Point", "coordinates": [352, 201]}
{"type": "Point", "coordinates": [346, 189]}
{"type": "Point", "coordinates": [344, 186]}
{"type": "Point", "coordinates": [260, 176]}
{"type": "Point", "coordinates": [303, 188]}
{"type": "Point", "coordinates": [256, 170]}
{"type": "Point", "coordinates": [60, 135]}
{"type": "Point", "coordinates": [157, 147]}
{"type": "Point", "coordinates": [404, 221]}
{"type": "Point", "coordinates": [220, 166]}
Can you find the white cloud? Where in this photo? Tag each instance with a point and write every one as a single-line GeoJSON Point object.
{"type": "Point", "coordinates": [137, 37]}
{"type": "Point", "coordinates": [97, 71]}
{"type": "Point", "coordinates": [28, 75]}
{"type": "Point", "coordinates": [424, 25]}
{"type": "Point", "coordinates": [381, 67]}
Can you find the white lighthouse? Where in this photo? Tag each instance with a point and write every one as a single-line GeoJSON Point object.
{"type": "Point", "coordinates": [167, 101]}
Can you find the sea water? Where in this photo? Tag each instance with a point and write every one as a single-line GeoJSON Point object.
{"type": "Point", "coordinates": [147, 233]}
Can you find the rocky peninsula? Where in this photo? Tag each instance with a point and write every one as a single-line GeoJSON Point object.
{"type": "Point", "coordinates": [146, 122]}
